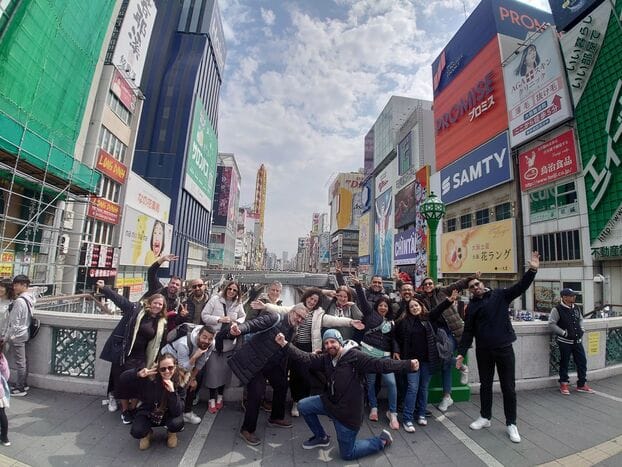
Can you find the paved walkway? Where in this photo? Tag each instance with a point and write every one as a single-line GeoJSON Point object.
{"type": "Point", "coordinates": [57, 429]}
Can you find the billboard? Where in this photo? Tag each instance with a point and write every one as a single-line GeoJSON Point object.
{"type": "Point", "coordinates": [472, 108]}
{"type": "Point", "coordinates": [568, 13]}
{"type": "Point", "coordinates": [324, 255]}
{"type": "Point", "coordinates": [406, 205]}
{"type": "Point", "coordinates": [386, 179]}
{"type": "Point", "coordinates": [488, 248]}
{"type": "Point", "coordinates": [484, 168]}
{"type": "Point", "coordinates": [134, 36]}
{"type": "Point", "coordinates": [144, 197]}
{"type": "Point", "coordinates": [599, 127]}
{"type": "Point", "coordinates": [103, 210]}
{"type": "Point", "coordinates": [345, 201]}
{"type": "Point", "coordinates": [548, 162]}
{"type": "Point", "coordinates": [315, 223]}
{"type": "Point", "coordinates": [225, 196]}
{"type": "Point", "coordinates": [364, 235]}
{"type": "Point", "coordinates": [535, 89]}
{"type": "Point", "coordinates": [383, 234]}
{"type": "Point", "coordinates": [201, 157]}
{"type": "Point", "coordinates": [143, 238]}
{"type": "Point", "coordinates": [108, 165]}
{"type": "Point", "coordinates": [120, 88]}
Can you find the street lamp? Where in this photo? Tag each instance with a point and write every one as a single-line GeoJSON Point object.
{"type": "Point", "coordinates": [432, 210]}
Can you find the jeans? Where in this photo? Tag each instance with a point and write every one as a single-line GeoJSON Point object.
{"type": "Point", "coordinates": [503, 358]}
{"type": "Point", "coordinates": [389, 380]}
{"type": "Point", "coordinates": [349, 447]}
{"type": "Point", "coordinates": [578, 355]}
{"type": "Point", "coordinates": [256, 389]}
{"type": "Point", "coordinates": [417, 392]}
{"type": "Point", "coordinates": [17, 352]}
{"type": "Point", "coordinates": [447, 368]}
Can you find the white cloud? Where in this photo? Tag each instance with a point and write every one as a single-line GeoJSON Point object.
{"type": "Point", "coordinates": [268, 16]}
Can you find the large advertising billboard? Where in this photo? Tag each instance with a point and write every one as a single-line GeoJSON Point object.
{"type": "Point", "coordinates": [599, 127]}
{"type": "Point", "coordinates": [488, 248]}
{"type": "Point", "coordinates": [324, 254]}
{"type": "Point", "coordinates": [364, 232]}
{"type": "Point", "coordinates": [484, 168]}
{"type": "Point", "coordinates": [144, 197]}
{"type": "Point", "coordinates": [134, 36]}
{"type": "Point", "coordinates": [472, 109]}
{"type": "Point", "coordinates": [345, 201]}
{"type": "Point", "coordinates": [201, 157]}
{"type": "Point", "coordinates": [226, 194]}
{"type": "Point", "coordinates": [548, 162]}
{"type": "Point", "coordinates": [143, 238]}
{"type": "Point", "coordinates": [383, 234]}
{"type": "Point", "coordinates": [535, 89]}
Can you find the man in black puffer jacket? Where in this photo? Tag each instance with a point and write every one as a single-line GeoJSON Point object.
{"type": "Point", "coordinates": [261, 358]}
{"type": "Point", "coordinates": [345, 368]}
{"type": "Point", "coordinates": [487, 321]}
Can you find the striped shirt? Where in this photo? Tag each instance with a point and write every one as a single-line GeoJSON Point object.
{"type": "Point", "coordinates": [303, 332]}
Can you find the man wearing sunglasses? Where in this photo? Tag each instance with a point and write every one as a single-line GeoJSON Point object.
{"type": "Point", "coordinates": [488, 322]}
{"type": "Point", "coordinates": [195, 303]}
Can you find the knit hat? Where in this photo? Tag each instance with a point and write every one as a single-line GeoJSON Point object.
{"type": "Point", "coordinates": [332, 334]}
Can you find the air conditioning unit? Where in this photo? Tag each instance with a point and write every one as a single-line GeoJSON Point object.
{"type": "Point", "coordinates": [68, 217]}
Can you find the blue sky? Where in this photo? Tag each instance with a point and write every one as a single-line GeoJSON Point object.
{"type": "Point", "coordinates": [306, 79]}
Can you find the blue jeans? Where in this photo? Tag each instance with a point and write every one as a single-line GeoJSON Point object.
{"type": "Point", "coordinates": [389, 381]}
{"type": "Point", "coordinates": [417, 392]}
{"type": "Point", "coordinates": [349, 447]}
{"type": "Point", "coordinates": [447, 368]}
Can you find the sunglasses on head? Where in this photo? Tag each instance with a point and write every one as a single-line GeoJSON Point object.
{"type": "Point", "coordinates": [164, 369]}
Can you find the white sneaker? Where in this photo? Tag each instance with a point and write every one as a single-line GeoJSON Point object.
{"type": "Point", "coordinates": [393, 423]}
{"type": "Point", "coordinates": [192, 418]}
{"type": "Point", "coordinates": [294, 411]}
{"type": "Point", "coordinates": [480, 423]}
{"type": "Point", "coordinates": [464, 374]}
{"type": "Point", "coordinates": [446, 402]}
{"type": "Point", "coordinates": [409, 427]}
{"type": "Point", "coordinates": [513, 432]}
{"type": "Point", "coordinates": [112, 403]}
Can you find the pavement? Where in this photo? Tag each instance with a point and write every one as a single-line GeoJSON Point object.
{"type": "Point", "coordinates": [48, 428]}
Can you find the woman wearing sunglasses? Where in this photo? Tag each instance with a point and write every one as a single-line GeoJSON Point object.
{"type": "Point", "coordinates": [158, 390]}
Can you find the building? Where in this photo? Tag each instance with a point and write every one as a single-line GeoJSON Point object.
{"type": "Point", "coordinates": [177, 145]}
{"type": "Point", "coordinates": [259, 208]}
{"type": "Point", "coordinates": [344, 198]}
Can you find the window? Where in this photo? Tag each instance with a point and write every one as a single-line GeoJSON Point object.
{"type": "Point", "coordinates": [482, 217]}
{"type": "Point", "coordinates": [503, 211]}
{"type": "Point", "coordinates": [553, 202]}
{"type": "Point", "coordinates": [466, 221]}
{"type": "Point", "coordinates": [451, 225]}
{"type": "Point", "coordinates": [108, 189]}
{"type": "Point", "coordinates": [118, 108]}
{"type": "Point", "coordinates": [558, 246]}
{"type": "Point", "coordinates": [112, 145]}
{"type": "Point", "coordinates": [98, 232]}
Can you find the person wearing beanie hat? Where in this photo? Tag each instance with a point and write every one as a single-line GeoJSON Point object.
{"type": "Point", "coordinates": [344, 367]}
{"type": "Point", "coordinates": [566, 322]}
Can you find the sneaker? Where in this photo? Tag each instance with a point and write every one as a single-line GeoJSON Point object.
{"type": "Point", "coordinates": [373, 414]}
{"type": "Point", "coordinates": [409, 427]}
{"type": "Point", "coordinates": [266, 406]}
{"type": "Point", "coordinates": [294, 411]}
{"type": "Point", "coordinates": [5, 442]}
{"type": "Point", "coordinates": [282, 423]}
{"type": "Point", "coordinates": [18, 392]}
{"type": "Point", "coordinates": [171, 439]}
{"type": "Point", "coordinates": [513, 432]}
{"type": "Point", "coordinates": [422, 421]}
{"type": "Point", "coordinates": [386, 438]}
{"type": "Point", "coordinates": [585, 388]}
{"type": "Point", "coordinates": [219, 403]}
{"type": "Point", "coordinates": [446, 402]}
{"type": "Point", "coordinates": [315, 442]}
{"type": "Point", "coordinates": [393, 423]}
{"type": "Point", "coordinates": [127, 417]}
{"type": "Point", "coordinates": [211, 406]}
{"type": "Point", "coordinates": [112, 403]}
{"type": "Point", "coordinates": [464, 374]}
{"type": "Point", "coordinates": [563, 388]}
{"type": "Point", "coordinates": [192, 418]}
{"type": "Point", "coordinates": [145, 442]}
{"type": "Point", "coordinates": [250, 438]}
{"type": "Point", "coordinates": [480, 423]}
{"type": "Point", "coordinates": [26, 388]}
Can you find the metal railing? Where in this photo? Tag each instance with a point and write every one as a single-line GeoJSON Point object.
{"type": "Point", "coordinates": [82, 303]}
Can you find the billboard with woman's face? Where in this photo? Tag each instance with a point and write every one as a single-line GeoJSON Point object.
{"type": "Point", "coordinates": [143, 239]}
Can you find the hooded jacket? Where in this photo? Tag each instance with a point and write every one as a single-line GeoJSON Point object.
{"type": "Point", "coordinates": [344, 394]}
{"type": "Point", "coordinates": [19, 318]}
{"type": "Point", "coordinates": [180, 349]}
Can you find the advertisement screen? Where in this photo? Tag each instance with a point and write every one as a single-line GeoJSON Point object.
{"type": "Point", "coordinates": [222, 193]}
{"type": "Point", "coordinates": [324, 248]}
{"type": "Point", "coordinates": [144, 197]}
{"type": "Point", "coordinates": [383, 234]}
{"type": "Point", "coordinates": [486, 167]}
{"type": "Point", "coordinates": [472, 109]}
{"type": "Point", "coordinates": [535, 89]}
{"type": "Point", "coordinates": [567, 13]}
{"type": "Point", "coordinates": [143, 239]}
{"type": "Point", "coordinates": [488, 248]}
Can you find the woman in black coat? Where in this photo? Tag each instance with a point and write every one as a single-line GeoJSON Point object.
{"type": "Point", "coordinates": [159, 391]}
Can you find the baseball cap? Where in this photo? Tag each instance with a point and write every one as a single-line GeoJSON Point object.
{"type": "Point", "coordinates": [568, 292]}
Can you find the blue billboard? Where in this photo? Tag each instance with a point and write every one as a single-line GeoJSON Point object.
{"type": "Point", "coordinates": [405, 247]}
{"type": "Point", "coordinates": [570, 12]}
{"type": "Point", "coordinates": [483, 168]}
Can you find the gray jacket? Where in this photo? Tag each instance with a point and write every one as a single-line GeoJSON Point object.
{"type": "Point", "coordinates": [179, 348]}
{"type": "Point", "coordinates": [19, 318]}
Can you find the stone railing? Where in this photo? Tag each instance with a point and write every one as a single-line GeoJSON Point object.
{"type": "Point", "coordinates": [65, 354]}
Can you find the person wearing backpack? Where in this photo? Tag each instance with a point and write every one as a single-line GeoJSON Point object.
{"type": "Point", "coordinates": [191, 350]}
{"type": "Point", "coordinates": [415, 338]}
{"type": "Point", "coordinates": [20, 317]}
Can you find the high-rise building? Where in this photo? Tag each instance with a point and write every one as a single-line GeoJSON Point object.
{"type": "Point", "coordinates": [177, 144]}
{"type": "Point", "coordinates": [259, 207]}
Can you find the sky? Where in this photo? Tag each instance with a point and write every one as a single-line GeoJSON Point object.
{"type": "Point", "coordinates": [305, 80]}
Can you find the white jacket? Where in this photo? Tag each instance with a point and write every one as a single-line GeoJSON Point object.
{"type": "Point", "coordinates": [214, 309]}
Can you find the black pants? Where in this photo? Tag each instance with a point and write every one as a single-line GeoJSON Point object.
{"type": "Point", "coordinates": [578, 355]}
{"type": "Point", "coordinates": [141, 426]}
{"type": "Point", "coordinates": [4, 425]}
{"type": "Point", "coordinates": [256, 388]}
{"type": "Point", "coordinates": [503, 359]}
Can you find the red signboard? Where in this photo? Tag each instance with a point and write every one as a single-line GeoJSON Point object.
{"type": "Point", "coordinates": [471, 109]}
{"type": "Point", "coordinates": [123, 91]}
{"type": "Point", "coordinates": [548, 162]}
{"type": "Point", "coordinates": [104, 210]}
{"type": "Point", "coordinates": [111, 167]}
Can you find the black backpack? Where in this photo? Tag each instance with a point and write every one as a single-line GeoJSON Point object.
{"type": "Point", "coordinates": [181, 330]}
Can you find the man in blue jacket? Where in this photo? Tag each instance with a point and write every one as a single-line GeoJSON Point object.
{"type": "Point", "coordinates": [488, 321]}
